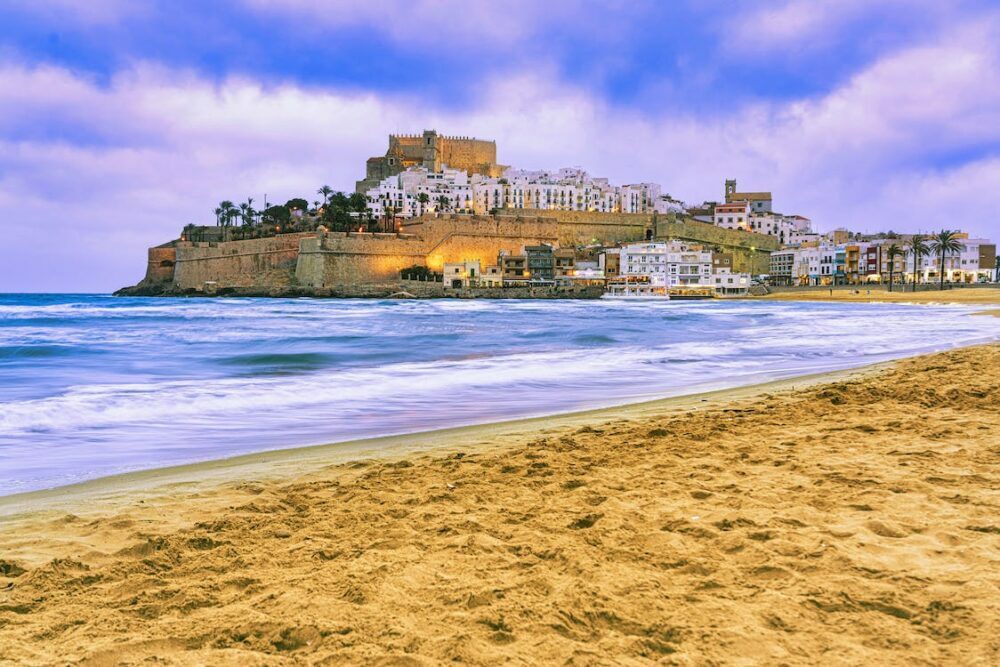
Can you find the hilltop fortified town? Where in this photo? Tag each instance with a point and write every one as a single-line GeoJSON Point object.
{"type": "Point", "coordinates": [437, 215]}
{"type": "Point", "coordinates": [433, 152]}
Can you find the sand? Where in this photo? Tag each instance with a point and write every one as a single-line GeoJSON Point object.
{"type": "Point", "coordinates": [969, 295]}
{"type": "Point", "coordinates": [852, 521]}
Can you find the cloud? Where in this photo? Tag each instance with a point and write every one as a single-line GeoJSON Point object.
{"type": "Point", "coordinates": [802, 26]}
{"type": "Point", "coordinates": [155, 148]}
{"type": "Point", "coordinates": [445, 24]}
{"type": "Point", "coordinates": [89, 13]}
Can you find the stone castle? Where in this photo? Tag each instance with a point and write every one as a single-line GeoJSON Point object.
{"type": "Point", "coordinates": [324, 260]}
{"type": "Point", "coordinates": [337, 260]}
{"type": "Point", "coordinates": [432, 151]}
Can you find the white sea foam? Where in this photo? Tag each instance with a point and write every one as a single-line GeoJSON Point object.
{"type": "Point", "coordinates": [91, 385]}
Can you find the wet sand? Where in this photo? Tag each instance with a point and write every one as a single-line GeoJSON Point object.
{"type": "Point", "coordinates": [847, 519]}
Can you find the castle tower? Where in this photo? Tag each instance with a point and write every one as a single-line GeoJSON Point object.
{"type": "Point", "coordinates": [432, 150]}
{"type": "Point", "coordinates": [730, 189]}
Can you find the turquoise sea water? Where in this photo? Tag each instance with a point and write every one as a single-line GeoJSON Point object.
{"type": "Point", "coordinates": [92, 385]}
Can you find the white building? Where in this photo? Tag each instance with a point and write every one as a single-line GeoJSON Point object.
{"type": "Point", "coordinates": [734, 215]}
{"type": "Point", "coordinates": [789, 229]}
{"type": "Point", "coordinates": [802, 266]}
{"type": "Point", "coordinates": [667, 204]}
{"type": "Point", "coordinates": [417, 191]}
{"type": "Point", "coordinates": [976, 259]}
{"type": "Point", "coordinates": [657, 267]}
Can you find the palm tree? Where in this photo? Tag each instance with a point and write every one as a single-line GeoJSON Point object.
{"type": "Point", "coordinates": [918, 248]}
{"type": "Point", "coordinates": [243, 213]}
{"type": "Point", "coordinates": [423, 199]}
{"type": "Point", "coordinates": [892, 252]}
{"type": "Point", "coordinates": [228, 210]}
{"type": "Point", "coordinates": [944, 243]}
{"type": "Point", "coordinates": [326, 191]}
{"type": "Point", "coordinates": [443, 203]}
{"type": "Point", "coordinates": [218, 216]}
{"type": "Point", "coordinates": [390, 216]}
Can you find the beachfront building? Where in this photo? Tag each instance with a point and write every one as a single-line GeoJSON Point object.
{"type": "Point", "coordinates": [816, 264]}
{"type": "Point", "coordinates": [609, 262]}
{"type": "Point", "coordinates": [782, 267]}
{"type": "Point", "coordinates": [461, 274]}
{"type": "Point", "coordinates": [659, 268]}
{"type": "Point", "coordinates": [513, 268]}
{"type": "Point", "coordinates": [859, 262]}
{"type": "Point", "coordinates": [976, 261]}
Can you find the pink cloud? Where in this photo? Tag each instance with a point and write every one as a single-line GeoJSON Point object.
{"type": "Point", "coordinates": [856, 157]}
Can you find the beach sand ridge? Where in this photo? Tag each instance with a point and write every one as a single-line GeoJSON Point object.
{"type": "Point", "coordinates": [844, 523]}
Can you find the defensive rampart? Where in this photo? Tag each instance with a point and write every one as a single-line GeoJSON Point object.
{"type": "Point", "coordinates": [326, 259]}
{"type": "Point", "coordinates": [331, 260]}
{"type": "Point", "coordinates": [751, 252]}
{"type": "Point", "coordinates": [267, 261]}
{"type": "Point", "coordinates": [160, 265]}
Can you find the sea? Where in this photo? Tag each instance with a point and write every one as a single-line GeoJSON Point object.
{"type": "Point", "coordinates": [93, 385]}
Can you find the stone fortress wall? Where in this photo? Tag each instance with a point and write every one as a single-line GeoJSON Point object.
{"type": "Point", "coordinates": [326, 259]}
{"type": "Point", "coordinates": [433, 151]}
{"type": "Point", "coordinates": [160, 264]}
{"type": "Point", "coordinates": [475, 156]}
{"type": "Point", "coordinates": [331, 260]}
{"type": "Point", "coordinates": [237, 263]}
{"type": "Point", "coordinates": [751, 252]}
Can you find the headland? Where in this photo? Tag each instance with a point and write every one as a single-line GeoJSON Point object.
{"type": "Point", "coordinates": [440, 209]}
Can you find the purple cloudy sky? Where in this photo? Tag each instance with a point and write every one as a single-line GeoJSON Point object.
{"type": "Point", "coordinates": [121, 121]}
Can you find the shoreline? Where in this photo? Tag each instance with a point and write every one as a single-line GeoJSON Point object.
{"type": "Point", "coordinates": [302, 459]}
{"type": "Point", "coordinates": [399, 290]}
{"type": "Point", "coordinates": [988, 296]}
{"type": "Point", "coordinates": [845, 516]}
{"type": "Point", "coordinates": [227, 468]}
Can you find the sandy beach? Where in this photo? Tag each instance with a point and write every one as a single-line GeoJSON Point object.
{"type": "Point", "coordinates": [845, 520]}
{"type": "Point", "coordinates": [978, 295]}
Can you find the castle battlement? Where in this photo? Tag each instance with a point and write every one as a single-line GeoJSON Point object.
{"type": "Point", "coordinates": [432, 151]}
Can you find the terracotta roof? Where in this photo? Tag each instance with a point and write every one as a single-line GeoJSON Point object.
{"type": "Point", "coordinates": [751, 196]}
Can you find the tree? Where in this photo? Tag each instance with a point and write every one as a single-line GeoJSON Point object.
{"type": "Point", "coordinates": [443, 203]}
{"type": "Point", "coordinates": [326, 191]}
{"type": "Point", "coordinates": [892, 252]}
{"type": "Point", "coordinates": [228, 210]}
{"type": "Point", "coordinates": [945, 242]}
{"type": "Point", "coordinates": [248, 212]}
{"type": "Point", "coordinates": [423, 199]}
{"type": "Point", "coordinates": [918, 248]}
{"type": "Point", "coordinates": [337, 217]}
{"type": "Point", "coordinates": [298, 204]}
{"type": "Point", "coordinates": [390, 216]}
{"type": "Point", "coordinates": [218, 216]}
{"type": "Point", "coordinates": [276, 214]}
{"type": "Point", "coordinates": [357, 202]}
